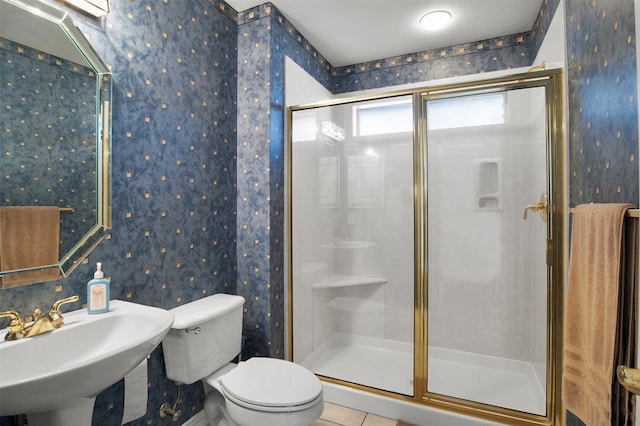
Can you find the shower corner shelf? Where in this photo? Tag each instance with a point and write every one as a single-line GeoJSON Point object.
{"type": "Point", "coordinates": [336, 280]}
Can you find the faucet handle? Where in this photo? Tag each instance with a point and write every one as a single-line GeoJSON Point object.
{"type": "Point", "coordinates": [56, 305]}
{"type": "Point", "coordinates": [15, 328]}
{"type": "Point", "coordinates": [55, 316]}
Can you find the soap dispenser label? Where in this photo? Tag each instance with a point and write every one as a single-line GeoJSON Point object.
{"type": "Point", "coordinates": [98, 295]}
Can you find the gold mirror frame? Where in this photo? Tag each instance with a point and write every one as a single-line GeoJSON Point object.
{"type": "Point", "coordinates": [55, 29]}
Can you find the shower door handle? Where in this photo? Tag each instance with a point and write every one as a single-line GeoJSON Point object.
{"type": "Point", "coordinates": [540, 206]}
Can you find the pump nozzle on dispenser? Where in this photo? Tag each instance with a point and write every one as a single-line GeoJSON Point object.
{"type": "Point", "coordinates": [98, 273]}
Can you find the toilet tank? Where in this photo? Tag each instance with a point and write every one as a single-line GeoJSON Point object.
{"type": "Point", "coordinates": [206, 334]}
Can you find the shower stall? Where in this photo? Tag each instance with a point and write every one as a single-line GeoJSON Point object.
{"type": "Point", "coordinates": [426, 245]}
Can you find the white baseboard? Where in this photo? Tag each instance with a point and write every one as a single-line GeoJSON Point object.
{"type": "Point", "coordinates": [200, 419]}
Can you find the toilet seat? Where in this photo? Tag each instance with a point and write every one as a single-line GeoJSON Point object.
{"type": "Point", "coordinates": [272, 385]}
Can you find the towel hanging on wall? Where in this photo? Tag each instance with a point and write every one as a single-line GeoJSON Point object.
{"type": "Point", "coordinates": [29, 237]}
{"type": "Point", "coordinates": [591, 311]}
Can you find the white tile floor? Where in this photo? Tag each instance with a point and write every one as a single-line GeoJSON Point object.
{"type": "Point", "coordinates": [334, 415]}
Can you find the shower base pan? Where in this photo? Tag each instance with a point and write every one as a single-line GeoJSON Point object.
{"type": "Point", "coordinates": [388, 365]}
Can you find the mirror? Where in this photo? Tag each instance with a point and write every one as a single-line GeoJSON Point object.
{"type": "Point", "coordinates": [55, 133]}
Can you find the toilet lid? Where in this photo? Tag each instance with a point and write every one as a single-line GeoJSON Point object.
{"type": "Point", "coordinates": [271, 383]}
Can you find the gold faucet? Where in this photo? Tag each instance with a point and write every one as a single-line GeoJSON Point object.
{"type": "Point", "coordinates": [50, 321]}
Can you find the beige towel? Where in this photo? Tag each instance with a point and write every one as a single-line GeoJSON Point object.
{"type": "Point", "coordinates": [591, 311]}
{"type": "Point", "coordinates": [29, 237]}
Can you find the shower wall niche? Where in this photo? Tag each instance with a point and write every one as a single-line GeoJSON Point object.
{"type": "Point", "coordinates": [488, 186]}
{"type": "Point", "coordinates": [353, 242]}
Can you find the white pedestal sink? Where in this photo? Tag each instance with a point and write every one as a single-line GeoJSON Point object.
{"type": "Point", "coordinates": [54, 377]}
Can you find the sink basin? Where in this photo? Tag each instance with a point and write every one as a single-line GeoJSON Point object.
{"type": "Point", "coordinates": [68, 367]}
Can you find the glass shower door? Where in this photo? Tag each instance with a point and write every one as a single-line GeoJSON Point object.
{"type": "Point", "coordinates": [487, 273]}
{"type": "Point", "coordinates": [352, 242]}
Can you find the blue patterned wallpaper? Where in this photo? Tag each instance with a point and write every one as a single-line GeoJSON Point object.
{"type": "Point", "coordinates": [264, 38]}
{"type": "Point", "coordinates": [542, 23]}
{"type": "Point", "coordinates": [501, 53]}
{"type": "Point", "coordinates": [198, 159]}
{"type": "Point", "coordinates": [253, 242]}
{"type": "Point", "coordinates": [603, 109]}
{"type": "Point", "coordinates": [174, 173]}
{"type": "Point", "coordinates": [174, 166]}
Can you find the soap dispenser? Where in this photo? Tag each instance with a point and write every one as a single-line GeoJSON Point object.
{"type": "Point", "coordinates": [98, 292]}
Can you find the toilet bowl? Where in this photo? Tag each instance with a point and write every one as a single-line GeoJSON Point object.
{"type": "Point", "coordinates": [267, 392]}
{"type": "Point", "coordinates": [205, 337]}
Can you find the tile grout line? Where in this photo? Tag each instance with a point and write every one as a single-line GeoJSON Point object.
{"type": "Point", "coordinates": [364, 419]}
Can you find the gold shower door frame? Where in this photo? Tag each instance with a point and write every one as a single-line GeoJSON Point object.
{"type": "Point", "coordinates": [552, 82]}
{"type": "Point", "coordinates": [555, 247]}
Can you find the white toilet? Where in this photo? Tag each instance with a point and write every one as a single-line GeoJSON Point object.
{"type": "Point", "coordinates": [205, 337]}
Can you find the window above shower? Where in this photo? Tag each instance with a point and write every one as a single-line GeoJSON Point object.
{"type": "Point", "coordinates": [380, 117]}
{"type": "Point", "coordinates": [383, 117]}
{"type": "Point", "coordinates": [467, 111]}
{"type": "Point", "coordinates": [391, 116]}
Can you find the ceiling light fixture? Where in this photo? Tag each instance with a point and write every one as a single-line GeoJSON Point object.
{"type": "Point", "coordinates": [96, 8]}
{"type": "Point", "coordinates": [435, 20]}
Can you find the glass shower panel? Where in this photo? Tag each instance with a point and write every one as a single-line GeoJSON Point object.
{"type": "Point", "coordinates": [352, 242]}
{"type": "Point", "coordinates": [487, 275]}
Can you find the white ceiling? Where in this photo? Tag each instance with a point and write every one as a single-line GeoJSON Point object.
{"type": "Point", "coordinates": [348, 32]}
